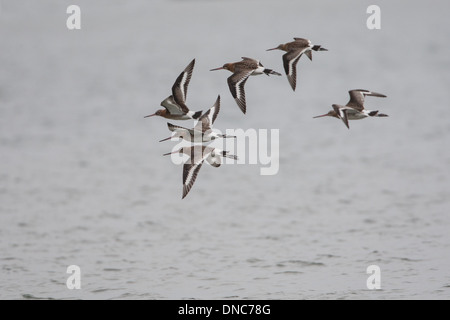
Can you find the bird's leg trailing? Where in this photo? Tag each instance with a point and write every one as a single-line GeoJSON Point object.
{"type": "Point", "coordinates": [376, 114]}
{"type": "Point", "coordinates": [230, 156]}
{"type": "Point", "coordinates": [226, 136]}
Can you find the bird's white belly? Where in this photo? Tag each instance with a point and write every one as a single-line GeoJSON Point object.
{"type": "Point", "coordinates": [174, 109]}
{"type": "Point", "coordinates": [258, 71]}
{"type": "Point", "coordinates": [355, 115]}
{"type": "Point", "coordinates": [214, 159]}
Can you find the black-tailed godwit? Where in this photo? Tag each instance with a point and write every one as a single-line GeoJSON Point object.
{"type": "Point", "coordinates": [294, 51]}
{"type": "Point", "coordinates": [241, 71]}
{"type": "Point", "coordinates": [354, 109]}
{"type": "Point", "coordinates": [202, 132]}
{"type": "Point", "coordinates": [175, 105]}
{"type": "Point", "coordinates": [198, 154]}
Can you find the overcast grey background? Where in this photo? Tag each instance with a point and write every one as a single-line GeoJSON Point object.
{"type": "Point", "coordinates": [82, 179]}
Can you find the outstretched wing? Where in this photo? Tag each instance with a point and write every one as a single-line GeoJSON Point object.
{"type": "Point", "coordinates": [342, 113]}
{"type": "Point", "coordinates": [302, 42]}
{"type": "Point", "coordinates": [180, 87]}
{"type": "Point", "coordinates": [173, 127]}
{"type": "Point", "coordinates": [236, 83]}
{"type": "Point", "coordinates": [171, 106]}
{"type": "Point", "coordinates": [290, 60]}
{"type": "Point", "coordinates": [190, 172]}
{"type": "Point", "coordinates": [357, 97]}
{"type": "Point", "coordinates": [251, 60]}
{"type": "Point", "coordinates": [208, 118]}
{"type": "Point", "coordinates": [198, 154]}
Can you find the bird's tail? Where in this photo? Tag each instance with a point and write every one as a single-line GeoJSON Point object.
{"type": "Point", "coordinates": [318, 48]}
{"type": "Point", "coordinates": [270, 71]}
{"type": "Point", "coordinates": [197, 115]}
{"type": "Point", "coordinates": [376, 114]}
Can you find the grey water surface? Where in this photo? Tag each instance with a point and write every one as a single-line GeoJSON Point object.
{"type": "Point", "coordinates": [83, 181]}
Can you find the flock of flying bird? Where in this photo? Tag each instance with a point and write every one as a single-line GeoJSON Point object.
{"type": "Point", "coordinates": [175, 107]}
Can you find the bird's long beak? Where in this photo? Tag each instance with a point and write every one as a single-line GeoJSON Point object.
{"type": "Point", "coordinates": [165, 139]}
{"type": "Point", "coordinates": [227, 136]}
{"type": "Point", "coordinates": [166, 154]}
{"type": "Point", "coordinates": [323, 115]}
{"type": "Point", "coordinates": [150, 115]}
{"type": "Point", "coordinates": [220, 68]}
{"type": "Point", "coordinates": [272, 49]}
{"type": "Point", "coordinates": [323, 49]}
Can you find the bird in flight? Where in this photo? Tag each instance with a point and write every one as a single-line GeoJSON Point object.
{"type": "Point", "coordinates": [202, 132]}
{"type": "Point", "coordinates": [175, 105]}
{"type": "Point", "coordinates": [241, 71]}
{"type": "Point", "coordinates": [294, 50]}
{"type": "Point", "coordinates": [198, 154]}
{"type": "Point", "coordinates": [354, 109]}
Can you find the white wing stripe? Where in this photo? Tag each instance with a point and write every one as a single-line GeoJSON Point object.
{"type": "Point", "coordinates": [291, 62]}
{"type": "Point", "coordinates": [182, 85]}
